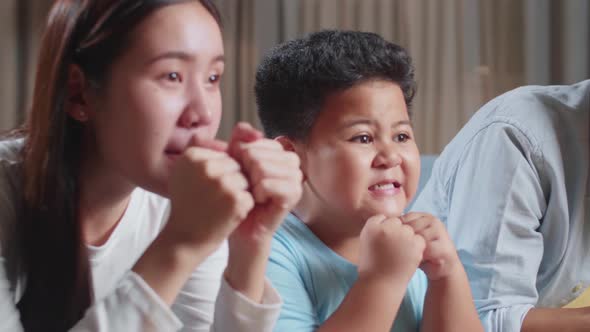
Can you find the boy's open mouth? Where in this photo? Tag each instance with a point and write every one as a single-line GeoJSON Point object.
{"type": "Point", "coordinates": [385, 186]}
{"type": "Point", "coordinates": [388, 186]}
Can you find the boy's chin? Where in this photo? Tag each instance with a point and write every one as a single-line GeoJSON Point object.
{"type": "Point", "coordinates": [395, 214]}
{"type": "Point", "coordinates": [390, 213]}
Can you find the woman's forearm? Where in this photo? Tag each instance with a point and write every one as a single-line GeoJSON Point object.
{"type": "Point", "coordinates": [246, 266]}
{"type": "Point", "coordinates": [166, 265]}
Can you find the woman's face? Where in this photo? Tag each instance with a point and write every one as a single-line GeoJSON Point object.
{"type": "Point", "coordinates": [160, 92]}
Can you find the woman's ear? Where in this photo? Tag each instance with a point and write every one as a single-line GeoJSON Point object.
{"type": "Point", "coordinates": [77, 103]}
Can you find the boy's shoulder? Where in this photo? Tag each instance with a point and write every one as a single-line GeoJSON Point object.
{"type": "Point", "coordinates": [297, 247]}
{"type": "Point", "coordinates": [293, 238]}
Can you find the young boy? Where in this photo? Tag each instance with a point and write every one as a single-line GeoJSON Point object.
{"type": "Point", "coordinates": [346, 259]}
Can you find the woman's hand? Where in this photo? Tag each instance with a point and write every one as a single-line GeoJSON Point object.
{"type": "Point", "coordinates": [209, 195]}
{"type": "Point", "coordinates": [274, 177]}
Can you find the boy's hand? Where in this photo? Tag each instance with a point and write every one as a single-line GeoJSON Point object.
{"type": "Point", "coordinates": [389, 249]}
{"type": "Point", "coordinates": [274, 177]}
{"type": "Point", "coordinates": [440, 256]}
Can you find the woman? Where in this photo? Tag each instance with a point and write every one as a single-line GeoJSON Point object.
{"type": "Point", "coordinates": [125, 108]}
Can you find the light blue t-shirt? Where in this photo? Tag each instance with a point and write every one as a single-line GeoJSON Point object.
{"type": "Point", "coordinates": [313, 280]}
{"type": "Point", "coordinates": [513, 190]}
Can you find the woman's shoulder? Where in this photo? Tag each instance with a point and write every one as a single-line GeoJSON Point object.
{"type": "Point", "coordinates": [11, 150]}
{"type": "Point", "coordinates": [152, 209]}
{"type": "Point", "coordinates": [10, 165]}
{"type": "Point", "coordinates": [10, 160]}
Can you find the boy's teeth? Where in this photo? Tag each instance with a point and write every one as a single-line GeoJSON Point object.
{"type": "Point", "coordinates": [383, 186]}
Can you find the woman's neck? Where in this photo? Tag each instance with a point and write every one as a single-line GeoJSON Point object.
{"type": "Point", "coordinates": [103, 199]}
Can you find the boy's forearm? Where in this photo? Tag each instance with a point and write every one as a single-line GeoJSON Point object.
{"type": "Point", "coordinates": [449, 307]}
{"type": "Point", "coordinates": [556, 319]}
{"type": "Point", "coordinates": [370, 305]}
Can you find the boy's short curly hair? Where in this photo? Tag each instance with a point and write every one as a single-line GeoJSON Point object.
{"type": "Point", "coordinates": [294, 79]}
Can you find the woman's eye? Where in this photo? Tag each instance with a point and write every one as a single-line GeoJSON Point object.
{"type": "Point", "coordinates": [363, 139]}
{"type": "Point", "coordinates": [402, 138]}
{"type": "Point", "coordinates": [214, 78]}
{"type": "Point", "coordinates": [173, 77]}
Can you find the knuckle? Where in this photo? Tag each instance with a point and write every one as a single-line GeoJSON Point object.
{"type": "Point", "coordinates": [384, 230]}
{"type": "Point", "coordinates": [264, 184]}
{"type": "Point", "coordinates": [245, 207]}
{"type": "Point", "coordinates": [251, 162]}
{"type": "Point", "coordinates": [300, 176]}
{"type": "Point", "coordinates": [200, 167]}
{"type": "Point", "coordinates": [297, 192]}
{"type": "Point", "coordinates": [396, 222]}
{"type": "Point", "coordinates": [437, 223]}
{"type": "Point", "coordinates": [232, 162]}
{"type": "Point", "coordinates": [208, 168]}
{"type": "Point", "coordinates": [245, 157]}
{"type": "Point", "coordinates": [408, 231]}
{"type": "Point", "coordinates": [191, 153]}
{"type": "Point", "coordinates": [420, 243]}
{"type": "Point", "coordinates": [258, 164]}
{"type": "Point", "coordinates": [376, 218]}
{"type": "Point", "coordinates": [274, 144]}
{"type": "Point", "coordinates": [230, 197]}
{"type": "Point", "coordinates": [233, 202]}
{"type": "Point", "coordinates": [293, 158]}
{"type": "Point", "coordinates": [249, 154]}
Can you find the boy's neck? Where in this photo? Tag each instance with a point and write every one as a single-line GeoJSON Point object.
{"type": "Point", "coordinates": [344, 242]}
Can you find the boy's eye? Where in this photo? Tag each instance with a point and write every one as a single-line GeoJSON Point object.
{"type": "Point", "coordinates": [363, 139]}
{"type": "Point", "coordinates": [401, 138]}
{"type": "Point", "coordinates": [173, 77]}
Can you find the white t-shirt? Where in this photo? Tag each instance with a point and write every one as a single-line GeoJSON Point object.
{"type": "Point", "coordinates": [124, 302]}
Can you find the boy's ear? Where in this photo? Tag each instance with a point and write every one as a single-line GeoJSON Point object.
{"type": "Point", "coordinates": [290, 145]}
{"type": "Point", "coordinates": [287, 143]}
{"type": "Point", "coordinates": [77, 99]}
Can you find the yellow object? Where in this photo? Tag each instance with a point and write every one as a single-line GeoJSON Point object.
{"type": "Point", "coordinates": [582, 301]}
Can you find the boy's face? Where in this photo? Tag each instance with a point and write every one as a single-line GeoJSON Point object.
{"type": "Point", "coordinates": [361, 158]}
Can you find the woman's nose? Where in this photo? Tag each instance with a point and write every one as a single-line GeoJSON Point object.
{"type": "Point", "coordinates": [197, 111]}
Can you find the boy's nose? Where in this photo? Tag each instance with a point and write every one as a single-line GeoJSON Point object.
{"type": "Point", "coordinates": [387, 158]}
